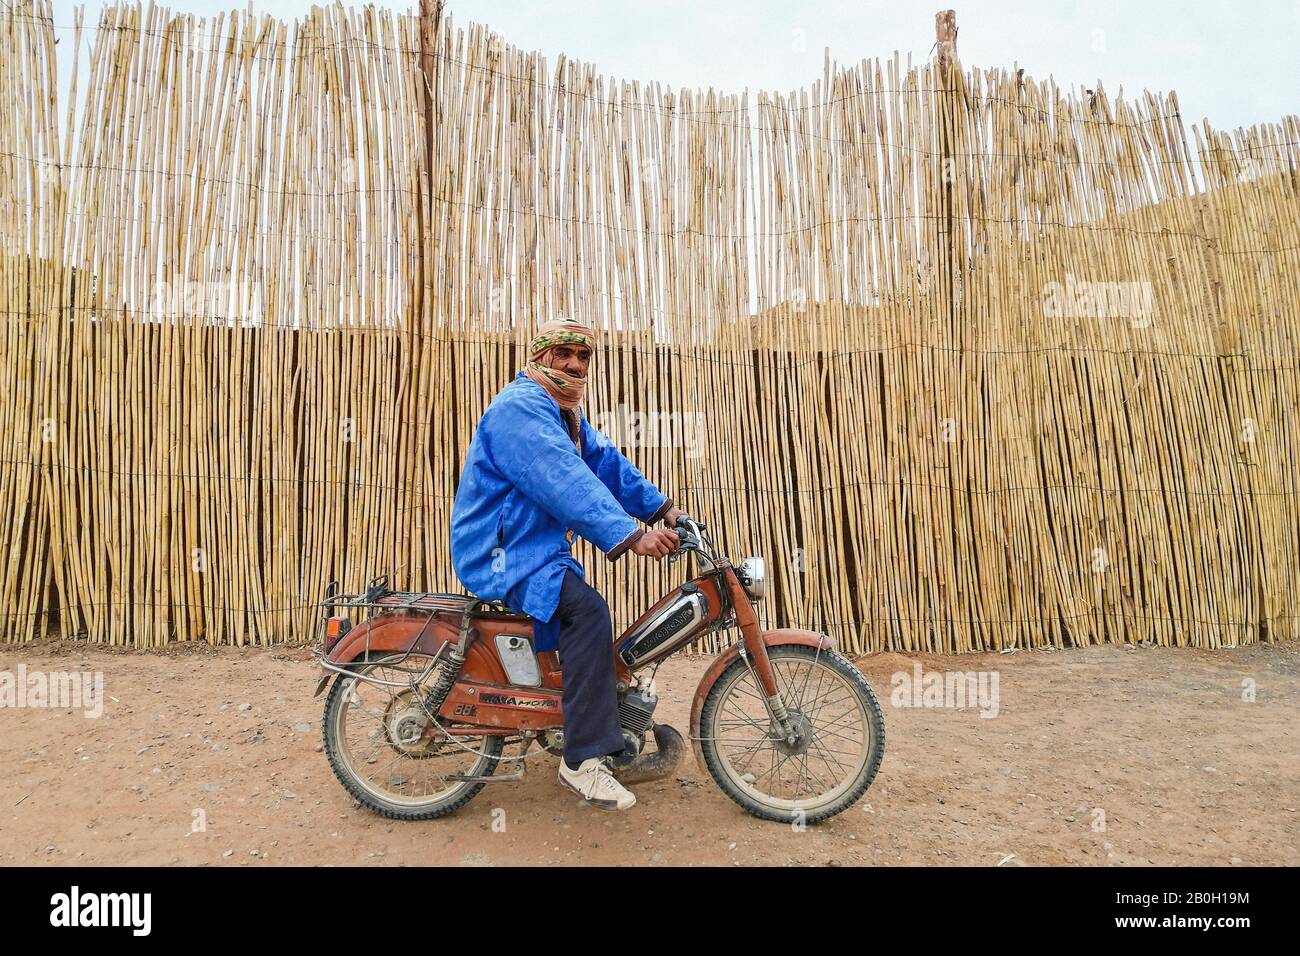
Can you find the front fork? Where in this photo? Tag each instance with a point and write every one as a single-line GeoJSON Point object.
{"type": "Point", "coordinates": [753, 651]}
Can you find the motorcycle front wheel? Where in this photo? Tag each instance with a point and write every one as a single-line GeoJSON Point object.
{"type": "Point", "coordinates": [839, 746]}
{"type": "Point", "coordinates": [378, 744]}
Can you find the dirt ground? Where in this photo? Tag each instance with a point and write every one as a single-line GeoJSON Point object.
{"type": "Point", "coordinates": [1110, 755]}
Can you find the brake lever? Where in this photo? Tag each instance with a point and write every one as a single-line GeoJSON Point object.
{"type": "Point", "coordinates": [681, 549]}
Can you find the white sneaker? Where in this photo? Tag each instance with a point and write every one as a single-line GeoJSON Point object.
{"type": "Point", "coordinates": [593, 782]}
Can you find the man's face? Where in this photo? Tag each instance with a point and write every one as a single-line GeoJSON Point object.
{"type": "Point", "coordinates": [573, 359]}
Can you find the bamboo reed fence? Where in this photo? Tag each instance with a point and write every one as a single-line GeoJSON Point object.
{"type": "Point", "coordinates": [977, 363]}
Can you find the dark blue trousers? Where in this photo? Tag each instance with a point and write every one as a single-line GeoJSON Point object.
{"type": "Point", "coordinates": [591, 727]}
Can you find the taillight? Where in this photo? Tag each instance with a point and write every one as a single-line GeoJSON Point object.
{"type": "Point", "coordinates": [335, 627]}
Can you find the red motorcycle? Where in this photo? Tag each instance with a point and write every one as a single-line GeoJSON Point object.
{"type": "Point", "coordinates": [431, 689]}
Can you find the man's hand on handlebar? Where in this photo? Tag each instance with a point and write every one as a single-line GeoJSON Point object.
{"type": "Point", "coordinates": [656, 544]}
{"type": "Point", "coordinates": [670, 516]}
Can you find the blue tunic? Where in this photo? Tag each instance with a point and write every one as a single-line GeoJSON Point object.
{"type": "Point", "coordinates": [523, 486]}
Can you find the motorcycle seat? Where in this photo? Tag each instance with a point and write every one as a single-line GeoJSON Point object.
{"type": "Point", "coordinates": [498, 611]}
{"type": "Point", "coordinates": [446, 601]}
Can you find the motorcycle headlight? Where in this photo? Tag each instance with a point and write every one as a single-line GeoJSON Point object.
{"type": "Point", "coordinates": [753, 575]}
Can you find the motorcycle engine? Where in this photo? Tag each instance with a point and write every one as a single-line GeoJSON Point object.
{"type": "Point", "coordinates": [636, 709]}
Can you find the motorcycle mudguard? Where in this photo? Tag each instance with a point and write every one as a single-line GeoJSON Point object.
{"type": "Point", "coordinates": [784, 635]}
{"type": "Point", "coordinates": [400, 632]}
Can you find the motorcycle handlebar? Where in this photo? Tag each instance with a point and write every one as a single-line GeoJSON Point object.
{"type": "Point", "coordinates": [690, 536]}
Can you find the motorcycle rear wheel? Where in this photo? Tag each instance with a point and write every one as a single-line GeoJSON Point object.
{"type": "Point", "coordinates": [362, 727]}
{"type": "Point", "coordinates": [746, 757]}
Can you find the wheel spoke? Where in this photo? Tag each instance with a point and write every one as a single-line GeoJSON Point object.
{"type": "Point", "coordinates": [750, 693]}
{"type": "Point", "coordinates": [818, 744]}
{"type": "Point", "coordinates": [842, 753]}
{"type": "Point", "coordinates": [788, 691]}
{"type": "Point", "coordinates": [826, 729]}
{"type": "Point", "coordinates": [821, 783]}
{"type": "Point", "coordinates": [804, 689]}
{"type": "Point", "coordinates": [745, 718]}
{"type": "Point", "coordinates": [749, 744]}
{"type": "Point", "coordinates": [803, 773]}
{"type": "Point", "coordinates": [817, 703]}
{"type": "Point", "coordinates": [752, 753]}
{"type": "Point", "coordinates": [775, 766]}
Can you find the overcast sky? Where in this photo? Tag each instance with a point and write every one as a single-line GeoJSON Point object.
{"type": "Point", "coordinates": [1235, 63]}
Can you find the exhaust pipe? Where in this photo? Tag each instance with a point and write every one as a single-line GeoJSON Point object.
{"type": "Point", "coordinates": [669, 747]}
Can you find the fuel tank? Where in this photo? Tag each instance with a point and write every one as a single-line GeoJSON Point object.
{"type": "Point", "coordinates": [677, 619]}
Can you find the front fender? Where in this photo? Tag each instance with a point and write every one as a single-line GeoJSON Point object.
{"type": "Point", "coordinates": [776, 638]}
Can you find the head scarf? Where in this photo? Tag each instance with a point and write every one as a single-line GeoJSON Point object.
{"type": "Point", "coordinates": [567, 390]}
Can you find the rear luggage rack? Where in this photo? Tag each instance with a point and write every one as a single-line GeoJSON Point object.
{"type": "Point", "coordinates": [379, 597]}
{"type": "Point", "coordinates": [380, 600]}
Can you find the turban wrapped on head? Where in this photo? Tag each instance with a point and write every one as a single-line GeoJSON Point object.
{"type": "Point", "coordinates": [567, 390]}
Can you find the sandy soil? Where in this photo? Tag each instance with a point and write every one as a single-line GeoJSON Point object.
{"type": "Point", "coordinates": [1160, 741]}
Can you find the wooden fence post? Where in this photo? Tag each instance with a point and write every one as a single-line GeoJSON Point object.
{"type": "Point", "coordinates": [945, 34]}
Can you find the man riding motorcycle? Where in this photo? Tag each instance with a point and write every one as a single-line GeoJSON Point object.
{"type": "Point", "coordinates": [536, 473]}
